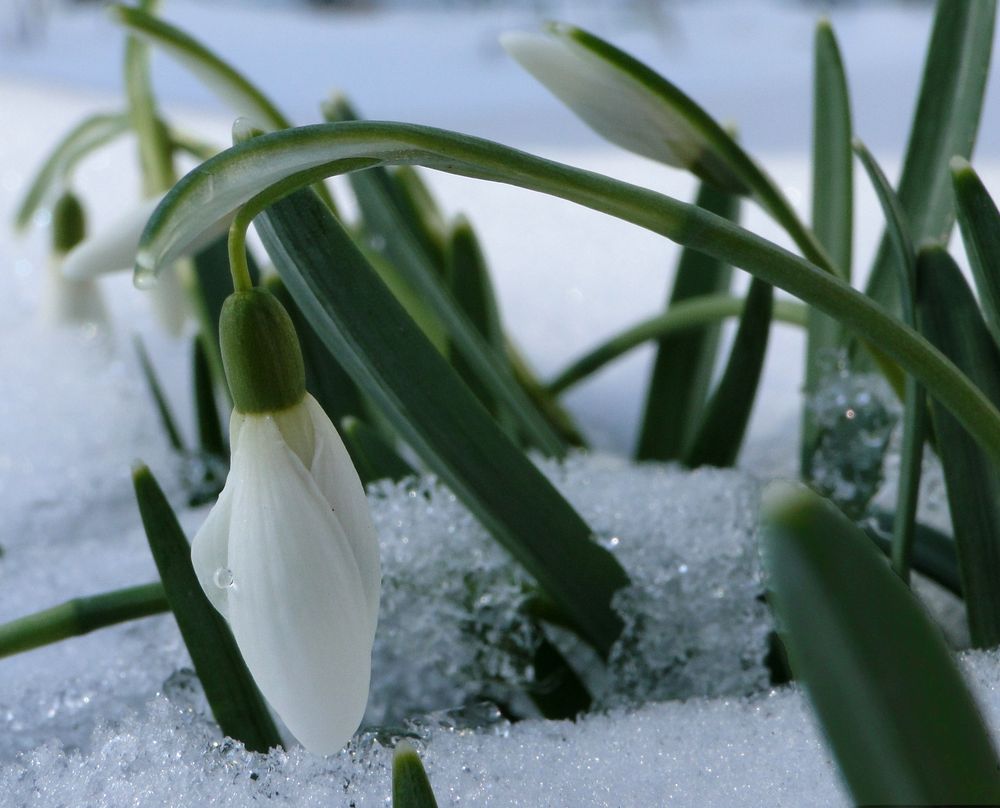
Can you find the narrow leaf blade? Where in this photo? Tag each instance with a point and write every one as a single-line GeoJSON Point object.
{"type": "Point", "coordinates": [410, 786]}
{"type": "Point", "coordinates": [979, 221]}
{"type": "Point", "coordinates": [951, 320]}
{"type": "Point", "coordinates": [235, 701]}
{"type": "Point", "coordinates": [684, 363]}
{"type": "Point", "coordinates": [945, 124]}
{"type": "Point", "coordinates": [723, 425]}
{"type": "Point", "coordinates": [903, 726]}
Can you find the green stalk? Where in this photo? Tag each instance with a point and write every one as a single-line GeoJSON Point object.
{"type": "Point", "coordinates": [81, 616]}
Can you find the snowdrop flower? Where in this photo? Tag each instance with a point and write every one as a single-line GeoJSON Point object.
{"type": "Point", "coordinates": [289, 555]}
{"type": "Point", "coordinates": [65, 301]}
{"type": "Point", "coordinates": [623, 100]}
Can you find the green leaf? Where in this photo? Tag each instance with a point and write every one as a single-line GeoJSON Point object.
{"type": "Point", "coordinates": [81, 616]}
{"type": "Point", "coordinates": [223, 79]}
{"type": "Point", "coordinates": [235, 701]}
{"type": "Point", "coordinates": [281, 161]}
{"type": "Point", "coordinates": [387, 216]}
{"type": "Point", "coordinates": [684, 363]}
{"type": "Point", "coordinates": [915, 414]}
{"type": "Point", "coordinates": [435, 413]}
{"type": "Point", "coordinates": [979, 221]}
{"type": "Point", "coordinates": [410, 786]}
{"type": "Point", "coordinates": [167, 420]}
{"type": "Point", "coordinates": [720, 434]}
{"type": "Point", "coordinates": [945, 124]}
{"type": "Point", "coordinates": [903, 726]}
{"type": "Point", "coordinates": [692, 314]}
{"type": "Point", "coordinates": [832, 207]}
{"type": "Point", "coordinates": [210, 436]}
{"type": "Point", "coordinates": [374, 457]}
{"type": "Point", "coordinates": [951, 320]}
{"type": "Point", "coordinates": [86, 137]}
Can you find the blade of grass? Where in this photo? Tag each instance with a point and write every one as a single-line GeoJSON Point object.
{"type": "Point", "coordinates": [235, 701]}
{"type": "Point", "coordinates": [167, 420]}
{"type": "Point", "coordinates": [681, 317]}
{"type": "Point", "coordinates": [684, 362]}
{"type": "Point", "coordinates": [979, 221]}
{"type": "Point", "coordinates": [832, 207]}
{"type": "Point", "coordinates": [901, 722]}
{"type": "Point", "coordinates": [85, 138]}
{"type": "Point", "coordinates": [434, 412]}
{"type": "Point", "coordinates": [81, 616]}
{"type": "Point", "coordinates": [945, 124]}
{"type": "Point", "coordinates": [720, 434]}
{"type": "Point", "coordinates": [374, 457]}
{"type": "Point", "coordinates": [279, 162]}
{"type": "Point", "coordinates": [951, 320]}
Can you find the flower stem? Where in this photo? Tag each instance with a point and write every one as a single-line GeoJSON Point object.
{"type": "Point", "coordinates": [242, 281]}
{"type": "Point", "coordinates": [81, 616]}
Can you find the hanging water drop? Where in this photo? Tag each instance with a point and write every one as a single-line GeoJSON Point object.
{"type": "Point", "coordinates": [224, 578]}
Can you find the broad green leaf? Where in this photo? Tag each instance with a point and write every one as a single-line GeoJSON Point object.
{"type": "Point", "coordinates": [326, 380]}
{"type": "Point", "coordinates": [81, 616]}
{"type": "Point", "coordinates": [690, 315]}
{"type": "Point", "coordinates": [979, 221]}
{"type": "Point", "coordinates": [683, 366]}
{"type": "Point", "coordinates": [410, 786]}
{"type": "Point", "coordinates": [235, 701]}
{"type": "Point", "coordinates": [433, 411]}
{"type": "Point", "coordinates": [557, 691]}
{"type": "Point", "coordinates": [374, 457]}
{"type": "Point", "coordinates": [634, 107]}
{"type": "Point", "coordinates": [915, 416]}
{"type": "Point", "coordinates": [945, 124]}
{"type": "Point", "coordinates": [279, 162]}
{"type": "Point", "coordinates": [210, 436]}
{"type": "Point", "coordinates": [723, 424]}
{"type": "Point", "coordinates": [901, 722]}
{"type": "Point", "coordinates": [832, 206]}
{"type": "Point", "coordinates": [545, 402]}
{"type": "Point", "coordinates": [223, 79]}
{"type": "Point", "coordinates": [950, 319]}
{"type": "Point", "coordinates": [83, 139]}
{"type": "Point", "coordinates": [163, 409]}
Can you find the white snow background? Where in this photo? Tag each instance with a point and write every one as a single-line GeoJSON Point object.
{"type": "Point", "coordinates": [115, 718]}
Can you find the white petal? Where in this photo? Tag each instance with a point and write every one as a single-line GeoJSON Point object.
{"type": "Point", "coordinates": [610, 100]}
{"type": "Point", "coordinates": [69, 302]}
{"type": "Point", "coordinates": [210, 547]}
{"type": "Point", "coordinates": [170, 301]}
{"type": "Point", "coordinates": [297, 605]}
{"type": "Point", "coordinates": [112, 249]}
{"type": "Point", "coordinates": [337, 478]}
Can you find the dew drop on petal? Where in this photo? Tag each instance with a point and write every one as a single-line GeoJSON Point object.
{"type": "Point", "coordinates": [223, 578]}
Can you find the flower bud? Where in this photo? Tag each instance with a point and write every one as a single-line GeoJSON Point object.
{"type": "Point", "coordinates": [69, 223]}
{"type": "Point", "coordinates": [261, 353]}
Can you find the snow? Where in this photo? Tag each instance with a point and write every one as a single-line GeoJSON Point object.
{"type": "Point", "coordinates": [687, 716]}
